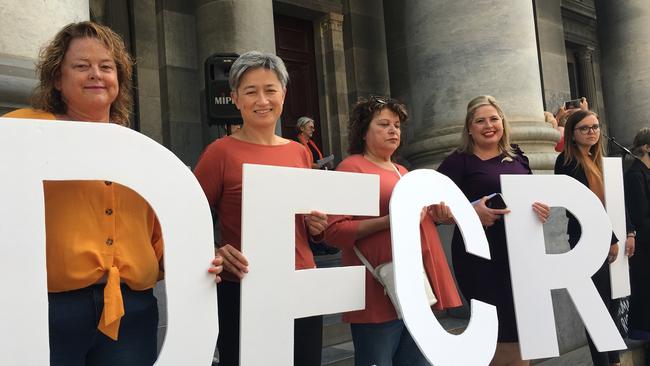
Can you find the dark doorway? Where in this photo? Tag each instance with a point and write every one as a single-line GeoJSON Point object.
{"type": "Point", "coordinates": [573, 68]}
{"type": "Point", "coordinates": [294, 40]}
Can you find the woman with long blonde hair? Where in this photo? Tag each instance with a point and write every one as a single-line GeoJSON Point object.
{"type": "Point", "coordinates": [484, 154]}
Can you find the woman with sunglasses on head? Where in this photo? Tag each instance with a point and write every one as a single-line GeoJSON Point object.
{"type": "Point", "coordinates": [484, 154]}
{"type": "Point", "coordinates": [379, 337]}
{"type": "Point", "coordinates": [582, 159]}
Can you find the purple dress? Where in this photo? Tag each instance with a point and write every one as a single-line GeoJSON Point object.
{"type": "Point", "coordinates": [478, 278]}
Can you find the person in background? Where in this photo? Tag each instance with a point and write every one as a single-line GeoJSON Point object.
{"type": "Point", "coordinates": [103, 241]}
{"type": "Point", "coordinates": [550, 119]}
{"type": "Point", "coordinates": [582, 160]}
{"type": "Point", "coordinates": [562, 114]}
{"type": "Point", "coordinates": [258, 83]}
{"type": "Point", "coordinates": [637, 199]}
{"type": "Point", "coordinates": [305, 128]}
{"type": "Point", "coordinates": [484, 154]}
{"type": "Point", "coordinates": [379, 337]}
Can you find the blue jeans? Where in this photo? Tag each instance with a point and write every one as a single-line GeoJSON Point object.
{"type": "Point", "coordinates": [385, 344]}
{"type": "Point", "coordinates": [76, 341]}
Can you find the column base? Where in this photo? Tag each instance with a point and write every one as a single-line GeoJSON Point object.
{"type": "Point", "coordinates": [17, 81]}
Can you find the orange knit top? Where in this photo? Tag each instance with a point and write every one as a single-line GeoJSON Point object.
{"type": "Point", "coordinates": [376, 248]}
{"type": "Point", "coordinates": [219, 171]}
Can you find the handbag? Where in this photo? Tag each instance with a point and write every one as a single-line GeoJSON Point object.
{"type": "Point", "coordinates": [383, 273]}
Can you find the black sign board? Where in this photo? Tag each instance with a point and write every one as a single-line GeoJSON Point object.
{"type": "Point", "coordinates": [220, 107]}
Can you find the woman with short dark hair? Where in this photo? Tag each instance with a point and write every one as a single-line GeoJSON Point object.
{"type": "Point", "coordinates": [258, 84]}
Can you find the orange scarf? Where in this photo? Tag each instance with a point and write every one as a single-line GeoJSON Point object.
{"type": "Point", "coordinates": [312, 144]}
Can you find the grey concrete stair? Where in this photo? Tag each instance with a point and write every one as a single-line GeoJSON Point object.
{"type": "Point", "coordinates": [339, 355]}
{"type": "Point", "coordinates": [335, 331]}
{"type": "Point", "coordinates": [337, 341]}
{"type": "Point", "coordinates": [633, 356]}
{"type": "Point", "coordinates": [338, 349]}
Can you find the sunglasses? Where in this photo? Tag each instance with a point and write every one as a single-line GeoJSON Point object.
{"type": "Point", "coordinates": [381, 100]}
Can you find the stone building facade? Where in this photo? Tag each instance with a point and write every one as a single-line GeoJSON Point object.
{"type": "Point", "coordinates": [435, 55]}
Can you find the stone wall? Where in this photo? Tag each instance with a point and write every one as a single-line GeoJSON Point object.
{"type": "Point", "coordinates": [179, 78]}
{"type": "Point", "coordinates": [24, 32]}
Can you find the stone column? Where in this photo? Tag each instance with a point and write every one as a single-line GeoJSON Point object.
{"type": "Point", "coordinates": [588, 76]}
{"type": "Point", "coordinates": [625, 50]}
{"type": "Point", "coordinates": [552, 53]}
{"type": "Point", "coordinates": [456, 51]}
{"type": "Point", "coordinates": [146, 53]}
{"type": "Point", "coordinates": [26, 27]}
{"type": "Point", "coordinates": [233, 26]}
{"type": "Point", "coordinates": [365, 49]}
{"type": "Point", "coordinates": [334, 99]}
{"type": "Point", "coordinates": [226, 26]}
{"type": "Point", "coordinates": [179, 80]}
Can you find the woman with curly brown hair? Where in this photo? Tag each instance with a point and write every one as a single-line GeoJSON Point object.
{"type": "Point", "coordinates": [379, 337]}
{"type": "Point", "coordinates": [103, 241]}
{"type": "Point", "coordinates": [85, 74]}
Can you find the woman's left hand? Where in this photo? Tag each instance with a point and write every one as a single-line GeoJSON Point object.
{"type": "Point", "coordinates": [316, 222]}
{"type": "Point", "coordinates": [629, 246]}
{"type": "Point", "coordinates": [216, 268]}
{"type": "Point", "coordinates": [542, 211]}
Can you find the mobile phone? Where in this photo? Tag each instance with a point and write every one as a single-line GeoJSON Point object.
{"type": "Point", "coordinates": [572, 104]}
{"type": "Point", "coordinates": [495, 201]}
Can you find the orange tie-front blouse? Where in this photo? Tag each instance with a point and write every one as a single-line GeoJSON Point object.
{"type": "Point", "coordinates": [97, 232]}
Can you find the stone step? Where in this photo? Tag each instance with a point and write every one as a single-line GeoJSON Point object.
{"type": "Point", "coordinates": [338, 355]}
{"type": "Point", "coordinates": [633, 356]}
{"type": "Point", "coordinates": [451, 324]}
{"type": "Point", "coordinates": [337, 342]}
{"type": "Point", "coordinates": [343, 354]}
{"type": "Point", "coordinates": [338, 349]}
{"type": "Point", "coordinates": [335, 331]}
